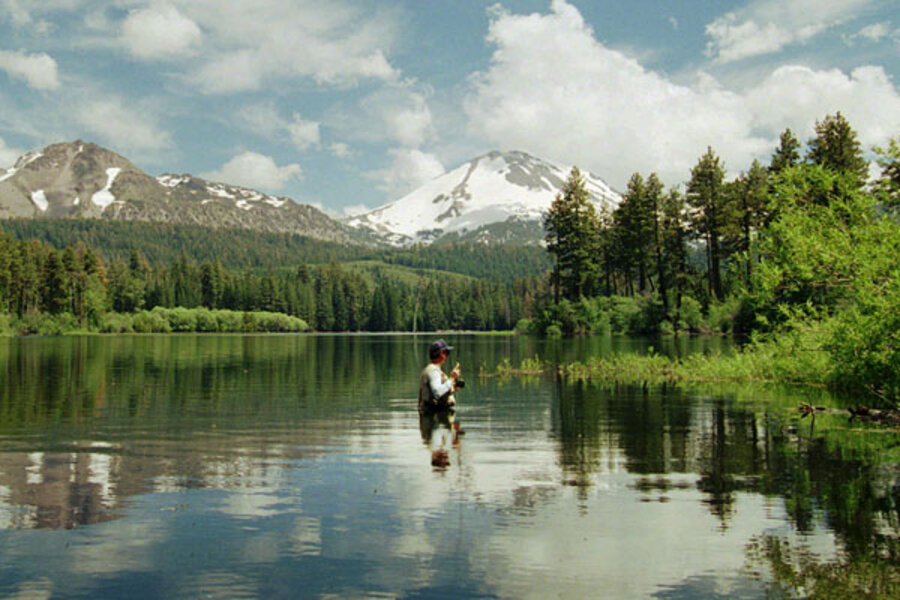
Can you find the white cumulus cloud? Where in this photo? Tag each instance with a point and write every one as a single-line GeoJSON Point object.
{"type": "Point", "coordinates": [254, 170]}
{"type": "Point", "coordinates": [553, 90]}
{"type": "Point", "coordinates": [796, 96]}
{"type": "Point", "coordinates": [303, 133]}
{"type": "Point", "coordinates": [395, 113]}
{"type": "Point", "coordinates": [39, 71]}
{"type": "Point", "coordinates": [875, 31]}
{"type": "Point", "coordinates": [408, 170]}
{"type": "Point", "coordinates": [159, 32]}
{"type": "Point", "coordinates": [265, 120]}
{"type": "Point", "coordinates": [339, 150]}
{"type": "Point", "coordinates": [767, 26]}
{"type": "Point", "coordinates": [251, 43]}
{"type": "Point", "coordinates": [404, 114]}
{"type": "Point", "coordinates": [130, 127]}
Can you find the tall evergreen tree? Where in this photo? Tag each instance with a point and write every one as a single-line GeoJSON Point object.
{"type": "Point", "coordinates": [836, 147]}
{"type": "Point", "coordinates": [752, 204]}
{"type": "Point", "coordinates": [54, 287]}
{"type": "Point", "coordinates": [571, 232]}
{"type": "Point", "coordinates": [674, 244]}
{"type": "Point", "coordinates": [706, 195]}
{"type": "Point", "coordinates": [787, 154]}
{"type": "Point", "coordinates": [887, 187]}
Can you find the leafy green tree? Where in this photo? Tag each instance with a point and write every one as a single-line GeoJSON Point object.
{"type": "Point", "coordinates": [812, 251]}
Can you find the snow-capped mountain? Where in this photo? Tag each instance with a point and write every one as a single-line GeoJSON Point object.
{"type": "Point", "coordinates": [497, 193]}
{"type": "Point", "coordinates": [84, 180]}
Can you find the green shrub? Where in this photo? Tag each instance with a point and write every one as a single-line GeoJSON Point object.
{"type": "Point", "coordinates": [150, 322]}
{"type": "Point", "coordinates": [865, 345]}
{"type": "Point", "coordinates": [524, 326]}
{"type": "Point", "coordinates": [592, 317]}
{"type": "Point", "coordinates": [205, 320]}
{"type": "Point", "coordinates": [722, 315]}
{"type": "Point", "coordinates": [44, 324]}
{"type": "Point", "coordinates": [623, 312]}
{"type": "Point", "coordinates": [666, 328]}
{"type": "Point", "coordinates": [116, 323]}
{"type": "Point", "coordinates": [690, 315]}
{"type": "Point", "coordinates": [279, 322]}
{"type": "Point", "coordinates": [180, 318]}
{"type": "Point", "coordinates": [230, 321]}
{"type": "Point", "coordinates": [649, 315]}
{"type": "Point", "coordinates": [553, 331]}
{"type": "Point", "coordinates": [5, 325]}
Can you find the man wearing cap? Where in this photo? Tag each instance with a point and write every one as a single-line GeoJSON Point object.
{"type": "Point", "coordinates": [435, 388]}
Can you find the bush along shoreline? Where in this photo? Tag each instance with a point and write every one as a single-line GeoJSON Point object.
{"type": "Point", "coordinates": [158, 320]}
{"type": "Point", "coordinates": [797, 357]}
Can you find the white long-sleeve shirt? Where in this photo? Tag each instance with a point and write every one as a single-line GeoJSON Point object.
{"type": "Point", "coordinates": [439, 383]}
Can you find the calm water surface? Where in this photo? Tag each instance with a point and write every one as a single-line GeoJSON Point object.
{"type": "Point", "coordinates": [298, 467]}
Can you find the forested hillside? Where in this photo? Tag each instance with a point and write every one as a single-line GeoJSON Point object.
{"type": "Point", "coordinates": [163, 243]}
{"type": "Point", "coordinates": [45, 289]}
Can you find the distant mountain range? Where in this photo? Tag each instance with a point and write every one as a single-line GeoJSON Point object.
{"type": "Point", "coordinates": [498, 197]}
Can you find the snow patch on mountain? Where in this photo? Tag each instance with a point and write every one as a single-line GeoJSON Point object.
{"type": "Point", "coordinates": [172, 181]}
{"type": "Point", "coordinates": [104, 197]}
{"type": "Point", "coordinates": [210, 191]}
{"type": "Point", "coordinates": [493, 188]}
{"type": "Point", "coordinates": [40, 200]}
{"type": "Point", "coordinates": [23, 161]}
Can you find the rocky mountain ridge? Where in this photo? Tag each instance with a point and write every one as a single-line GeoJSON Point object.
{"type": "Point", "coordinates": [83, 180]}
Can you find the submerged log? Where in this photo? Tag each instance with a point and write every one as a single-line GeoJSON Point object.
{"type": "Point", "coordinates": [889, 416]}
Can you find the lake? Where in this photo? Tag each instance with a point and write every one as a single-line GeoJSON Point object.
{"type": "Point", "coordinates": [297, 466]}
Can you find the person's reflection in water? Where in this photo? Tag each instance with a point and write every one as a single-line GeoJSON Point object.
{"type": "Point", "coordinates": [440, 432]}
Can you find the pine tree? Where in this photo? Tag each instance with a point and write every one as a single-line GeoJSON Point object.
{"type": "Point", "coordinates": [571, 233]}
{"type": "Point", "coordinates": [787, 154]}
{"type": "Point", "coordinates": [836, 147]}
{"type": "Point", "coordinates": [674, 244]}
{"type": "Point", "coordinates": [752, 203]}
{"type": "Point", "coordinates": [54, 288]}
{"type": "Point", "coordinates": [887, 187]}
{"type": "Point", "coordinates": [706, 195]}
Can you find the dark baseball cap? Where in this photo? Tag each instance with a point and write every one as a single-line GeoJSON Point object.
{"type": "Point", "coordinates": [437, 347]}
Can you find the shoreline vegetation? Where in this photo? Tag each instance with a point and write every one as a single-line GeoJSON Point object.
{"type": "Point", "coordinates": [797, 358]}
{"type": "Point", "coordinates": [157, 320]}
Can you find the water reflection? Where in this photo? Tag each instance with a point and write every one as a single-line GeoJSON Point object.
{"type": "Point", "coordinates": [442, 434]}
{"type": "Point", "coordinates": [265, 465]}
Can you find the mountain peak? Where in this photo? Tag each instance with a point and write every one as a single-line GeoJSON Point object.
{"type": "Point", "coordinates": [496, 187]}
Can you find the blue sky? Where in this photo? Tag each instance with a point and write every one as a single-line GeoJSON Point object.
{"type": "Point", "coordinates": [349, 104]}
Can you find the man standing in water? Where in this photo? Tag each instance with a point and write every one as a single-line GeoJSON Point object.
{"type": "Point", "coordinates": [435, 388]}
